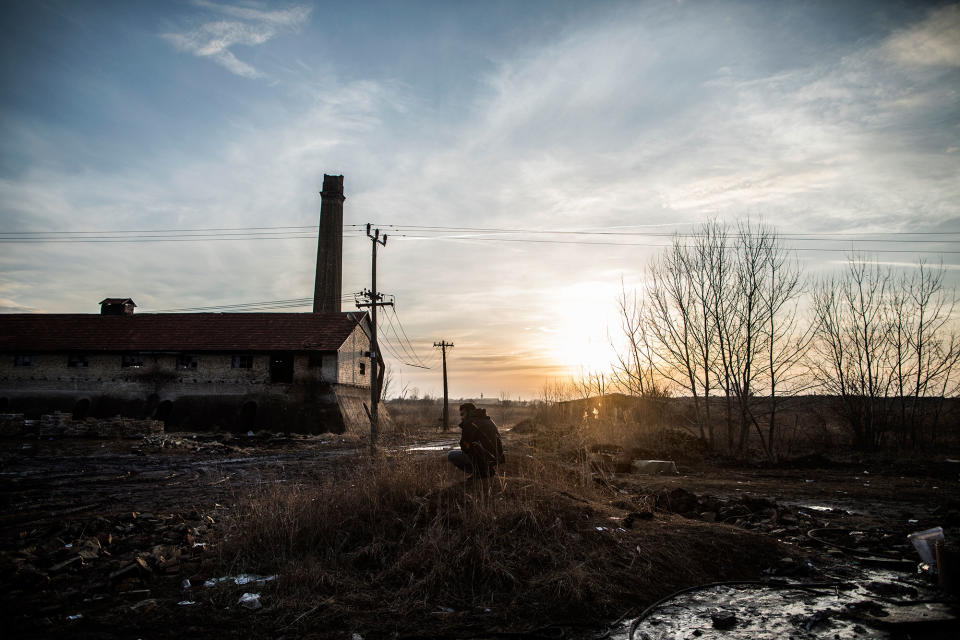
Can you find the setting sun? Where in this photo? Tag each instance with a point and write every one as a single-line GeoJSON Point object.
{"type": "Point", "coordinates": [581, 339]}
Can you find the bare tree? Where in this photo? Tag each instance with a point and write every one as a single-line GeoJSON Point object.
{"type": "Point", "coordinates": [679, 329]}
{"type": "Point", "coordinates": [634, 371]}
{"type": "Point", "coordinates": [925, 351]}
{"type": "Point", "coordinates": [785, 338]}
{"type": "Point", "coordinates": [553, 392]}
{"type": "Point", "coordinates": [504, 398]}
{"type": "Point", "coordinates": [853, 340]}
{"type": "Point", "coordinates": [387, 381]}
{"type": "Point", "coordinates": [719, 315]}
{"type": "Point", "coordinates": [590, 384]}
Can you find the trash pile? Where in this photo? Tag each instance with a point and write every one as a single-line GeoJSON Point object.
{"type": "Point", "coordinates": [183, 443]}
{"type": "Point", "coordinates": [834, 528]}
{"type": "Point", "coordinates": [101, 565]}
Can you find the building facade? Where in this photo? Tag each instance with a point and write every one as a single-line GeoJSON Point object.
{"type": "Point", "coordinates": [300, 372]}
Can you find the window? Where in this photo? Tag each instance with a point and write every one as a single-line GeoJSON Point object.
{"type": "Point", "coordinates": [281, 367]}
{"type": "Point", "coordinates": [242, 362]}
{"type": "Point", "coordinates": [23, 360]}
{"type": "Point", "coordinates": [187, 362]}
{"type": "Point", "coordinates": [363, 368]}
{"type": "Point", "coordinates": [131, 361]}
{"type": "Point", "coordinates": [77, 360]}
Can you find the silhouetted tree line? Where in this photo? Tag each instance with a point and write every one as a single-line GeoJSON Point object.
{"type": "Point", "coordinates": [726, 317]}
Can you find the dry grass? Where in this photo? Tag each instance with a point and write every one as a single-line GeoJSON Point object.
{"type": "Point", "coordinates": [406, 535]}
{"type": "Point", "coordinates": [417, 415]}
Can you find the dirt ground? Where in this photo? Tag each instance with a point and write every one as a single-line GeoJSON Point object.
{"type": "Point", "coordinates": [116, 538]}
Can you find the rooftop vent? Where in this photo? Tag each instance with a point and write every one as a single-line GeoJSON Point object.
{"type": "Point", "coordinates": [117, 307]}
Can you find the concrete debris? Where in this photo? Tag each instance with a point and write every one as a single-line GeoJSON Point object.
{"type": "Point", "coordinates": [240, 580]}
{"type": "Point", "coordinates": [724, 619]}
{"type": "Point", "coordinates": [250, 601]}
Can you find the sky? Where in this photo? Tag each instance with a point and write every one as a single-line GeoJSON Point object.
{"type": "Point", "coordinates": [630, 120]}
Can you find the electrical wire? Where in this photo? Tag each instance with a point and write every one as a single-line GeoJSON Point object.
{"type": "Point", "coordinates": [645, 244]}
{"type": "Point", "coordinates": [246, 306]}
{"type": "Point", "coordinates": [489, 234]}
{"type": "Point", "coordinates": [400, 343]}
{"type": "Point", "coordinates": [393, 351]}
{"type": "Point", "coordinates": [406, 339]}
{"type": "Point", "coordinates": [176, 230]}
{"type": "Point", "coordinates": [787, 236]}
{"type": "Point", "coordinates": [409, 354]}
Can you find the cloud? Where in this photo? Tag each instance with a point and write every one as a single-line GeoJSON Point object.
{"type": "Point", "coordinates": [9, 306]}
{"type": "Point", "coordinates": [933, 42]}
{"type": "Point", "coordinates": [215, 39]}
{"type": "Point", "coordinates": [638, 120]}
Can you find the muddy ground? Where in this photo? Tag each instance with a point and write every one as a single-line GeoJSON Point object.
{"type": "Point", "coordinates": [116, 538]}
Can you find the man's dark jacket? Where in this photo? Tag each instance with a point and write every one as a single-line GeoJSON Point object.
{"type": "Point", "coordinates": [482, 438]}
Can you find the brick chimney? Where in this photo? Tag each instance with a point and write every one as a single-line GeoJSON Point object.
{"type": "Point", "coordinates": [117, 307]}
{"type": "Point", "coordinates": [329, 279]}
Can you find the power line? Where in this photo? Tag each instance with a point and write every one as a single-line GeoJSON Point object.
{"type": "Point", "coordinates": [393, 310]}
{"type": "Point", "coordinates": [393, 351]}
{"type": "Point", "coordinates": [247, 306]}
{"type": "Point", "coordinates": [132, 239]}
{"type": "Point", "coordinates": [684, 234]}
{"type": "Point", "coordinates": [285, 233]}
{"type": "Point", "coordinates": [301, 231]}
{"type": "Point", "coordinates": [645, 244]}
{"type": "Point", "coordinates": [405, 346]}
{"type": "Point", "coordinates": [401, 346]}
{"type": "Point", "coordinates": [312, 227]}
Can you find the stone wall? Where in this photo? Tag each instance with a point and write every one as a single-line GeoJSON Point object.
{"type": "Point", "coordinates": [350, 357]}
{"type": "Point", "coordinates": [212, 395]}
{"type": "Point", "coordinates": [214, 373]}
{"type": "Point", "coordinates": [353, 402]}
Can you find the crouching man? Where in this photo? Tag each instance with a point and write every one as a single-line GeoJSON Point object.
{"type": "Point", "coordinates": [481, 448]}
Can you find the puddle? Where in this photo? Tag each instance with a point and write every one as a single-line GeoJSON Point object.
{"type": "Point", "coordinates": [432, 446]}
{"type": "Point", "coordinates": [824, 508]}
{"type": "Point", "coordinates": [764, 613]}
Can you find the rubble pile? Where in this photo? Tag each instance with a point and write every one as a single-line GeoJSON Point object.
{"type": "Point", "coordinates": [59, 424]}
{"type": "Point", "coordinates": [185, 443]}
{"type": "Point", "coordinates": [787, 523]}
{"type": "Point", "coordinates": [104, 565]}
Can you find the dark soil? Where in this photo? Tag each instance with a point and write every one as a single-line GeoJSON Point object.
{"type": "Point", "coordinates": [99, 539]}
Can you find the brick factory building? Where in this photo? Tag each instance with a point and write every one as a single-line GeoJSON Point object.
{"type": "Point", "coordinates": [303, 372]}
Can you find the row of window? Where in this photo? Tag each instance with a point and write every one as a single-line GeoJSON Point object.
{"type": "Point", "coordinates": [133, 361]}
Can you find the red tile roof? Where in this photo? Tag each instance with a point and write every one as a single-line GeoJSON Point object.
{"type": "Point", "coordinates": [39, 332]}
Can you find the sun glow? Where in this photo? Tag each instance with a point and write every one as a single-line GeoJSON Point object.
{"type": "Point", "coordinates": [584, 324]}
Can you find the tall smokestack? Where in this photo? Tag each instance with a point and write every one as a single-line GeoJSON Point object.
{"type": "Point", "coordinates": [328, 283]}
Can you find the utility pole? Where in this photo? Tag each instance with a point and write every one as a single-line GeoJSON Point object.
{"type": "Point", "coordinates": [377, 366]}
{"type": "Point", "coordinates": [443, 344]}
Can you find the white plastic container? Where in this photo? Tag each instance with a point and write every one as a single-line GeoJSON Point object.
{"type": "Point", "coordinates": [925, 543]}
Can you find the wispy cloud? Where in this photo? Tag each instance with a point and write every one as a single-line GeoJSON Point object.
{"type": "Point", "coordinates": [250, 27]}
{"type": "Point", "coordinates": [648, 117]}
{"type": "Point", "coordinates": [933, 42]}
